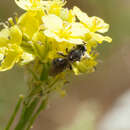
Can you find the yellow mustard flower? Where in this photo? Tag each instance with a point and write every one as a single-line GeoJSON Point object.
{"type": "Point", "coordinates": [26, 58]}
{"type": "Point", "coordinates": [38, 4]}
{"type": "Point", "coordinates": [11, 35]}
{"type": "Point", "coordinates": [29, 24]}
{"type": "Point", "coordinates": [67, 15]}
{"type": "Point", "coordinates": [46, 29]}
{"type": "Point", "coordinates": [55, 7]}
{"type": "Point", "coordinates": [12, 56]}
{"type": "Point", "coordinates": [40, 45]}
{"type": "Point", "coordinates": [61, 31]}
{"type": "Point", "coordinates": [94, 24]}
{"type": "Point", "coordinates": [84, 66]}
{"type": "Point", "coordinates": [46, 48]}
{"type": "Point", "coordinates": [31, 4]}
{"type": "Point", "coordinates": [10, 39]}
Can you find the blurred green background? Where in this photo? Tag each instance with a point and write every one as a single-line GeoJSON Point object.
{"type": "Point", "coordinates": [100, 89]}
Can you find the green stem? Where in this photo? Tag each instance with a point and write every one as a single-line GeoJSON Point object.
{"type": "Point", "coordinates": [27, 113]}
{"type": "Point", "coordinates": [30, 111]}
{"type": "Point", "coordinates": [15, 112]}
{"type": "Point", "coordinates": [33, 74]}
{"type": "Point", "coordinates": [50, 87]}
{"type": "Point", "coordinates": [41, 107]}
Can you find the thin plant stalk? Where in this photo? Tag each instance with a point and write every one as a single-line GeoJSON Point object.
{"type": "Point", "coordinates": [27, 113]}
{"type": "Point", "coordinates": [40, 108]}
{"type": "Point", "coordinates": [15, 112]}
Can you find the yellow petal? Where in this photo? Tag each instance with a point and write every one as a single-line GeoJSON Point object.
{"type": "Point", "coordinates": [78, 30]}
{"type": "Point", "coordinates": [29, 24]}
{"type": "Point", "coordinates": [2, 53]}
{"type": "Point", "coordinates": [52, 22]}
{"type": "Point", "coordinates": [99, 38]}
{"type": "Point", "coordinates": [98, 25]}
{"type": "Point", "coordinates": [10, 36]}
{"type": "Point", "coordinates": [83, 17]}
{"type": "Point", "coordinates": [26, 58]}
{"type": "Point", "coordinates": [11, 57]}
{"type": "Point", "coordinates": [50, 34]}
{"type": "Point", "coordinates": [15, 35]}
{"type": "Point", "coordinates": [1, 57]}
{"type": "Point", "coordinates": [32, 4]}
{"type": "Point", "coordinates": [24, 4]}
{"type": "Point", "coordinates": [67, 15]}
{"type": "Point", "coordinates": [75, 41]}
{"type": "Point", "coordinates": [4, 37]}
{"type": "Point", "coordinates": [38, 36]}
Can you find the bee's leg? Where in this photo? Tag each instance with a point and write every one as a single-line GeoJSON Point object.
{"type": "Point", "coordinates": [84, 42]}
{"type": "Point", "coordinates": [60, 53]}
{"type": "Point", "coordinates": [70, 66]}
{"type": "Point", "coordinates": [67, 50]}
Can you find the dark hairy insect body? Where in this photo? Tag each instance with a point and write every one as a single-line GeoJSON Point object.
{"type": "Point", "coordinates": [77, 53]}
{"type": "Point", "coordinates": [60, 64]}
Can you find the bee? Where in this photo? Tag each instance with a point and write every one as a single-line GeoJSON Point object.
{"type": "Point", "coordinates": [77, 53]}
{"type": "Point", "coordinates": [64, 62]}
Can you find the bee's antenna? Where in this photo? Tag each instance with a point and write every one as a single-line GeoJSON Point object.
{"type": "Point", "coordinates": [67, 50]}
{"type": "Point", "coordinates": [60, 53]}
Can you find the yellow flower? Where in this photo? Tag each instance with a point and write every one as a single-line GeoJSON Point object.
{"type": "Point", "coordinates": [84, 66]}
{"type": "Point", "coordinates": [29, 23]}
{"type": "Point", "coordinates": [46, 48]}
{"type": "Point", "coordinates": [100, 38]}
{"type": "Point", "coordinates": [38, 4]}
{"type": "Point", "coordinates": [26, 58]}
{"type": "Point", "coordinates": [67, 15]}
{"type": "Point", "coordinates": [46, 29]}
{"type": "Point", "coordinates": [94, 24]}
{"type": "Point", "coordinates": [10, 51]}
{"type": "Point", "coordinates": [2, 52]}
{"type": "Point", "coordinates": [11, 35]}
{"type": "Point", "coordinates": [62, 31]}
{"type": "Point", "coordinates": [55, 7]}
{"type": "Point", "coordinates": [31, 4]}
{"type": "Point", "coordinates": [12, 55]}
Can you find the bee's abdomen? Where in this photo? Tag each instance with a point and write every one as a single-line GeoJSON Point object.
{"type": "Point", "coordinates": [58, 66]}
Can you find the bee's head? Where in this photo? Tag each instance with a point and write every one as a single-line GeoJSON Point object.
{"type": "Point", "coordinates": [82, 48]}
